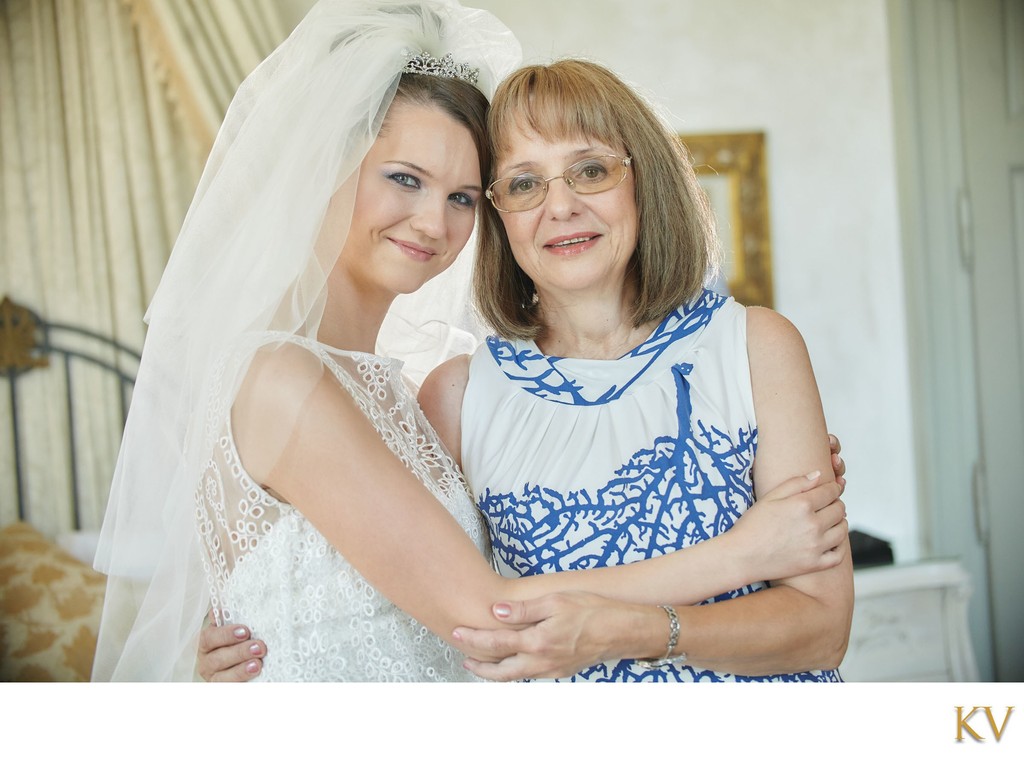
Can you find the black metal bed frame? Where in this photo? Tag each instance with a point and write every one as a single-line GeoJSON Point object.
{"type": "Point", "coordinates": [27, 344]}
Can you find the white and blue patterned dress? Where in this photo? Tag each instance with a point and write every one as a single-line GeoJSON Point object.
{"type": "Point", "coordinates": [581, 463]}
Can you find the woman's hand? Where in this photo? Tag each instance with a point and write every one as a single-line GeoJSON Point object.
{"type": "Point", "coordinates": [838, 464]}
{"type": "Point", "coordinates": [554, 636]}
{"type": "Point", "coordinates": [228, 653]}
{"type": "Point", "coordinates": [797, 528]}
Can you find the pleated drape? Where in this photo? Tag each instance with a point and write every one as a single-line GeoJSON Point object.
{"type": "Point", "coordinates": [107, 111]}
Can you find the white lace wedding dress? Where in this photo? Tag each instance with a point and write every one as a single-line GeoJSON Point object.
{"type": "Point", "coordinates": [270, 569]}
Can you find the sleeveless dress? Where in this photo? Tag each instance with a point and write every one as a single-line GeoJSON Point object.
{"type": "Point", "coordinates": [269, 568]}
{"type": "Point", "coordinates": [580, 463]}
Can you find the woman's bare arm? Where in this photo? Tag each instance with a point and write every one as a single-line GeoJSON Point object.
{"type": "Point", "coordinates": [801, 622]}
{"type": "Point", "coordinates": [804, 620]}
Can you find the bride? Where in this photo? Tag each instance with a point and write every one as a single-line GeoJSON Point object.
{"type": "Point", "coordinates": [330, 519]}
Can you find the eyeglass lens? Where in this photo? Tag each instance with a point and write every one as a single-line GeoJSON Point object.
{"type": "Point", "coordinates": [588, 176]}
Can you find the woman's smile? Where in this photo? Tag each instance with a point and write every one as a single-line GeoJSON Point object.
{"type": "Point", "coordinates": [414, 251]}
{"type": "Point", "coordinates": [573, 244]}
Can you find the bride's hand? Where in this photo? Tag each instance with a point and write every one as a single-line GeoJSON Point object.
{"type": "Point", "coordinates": [795, 529]}
{"type": "Point", "coordinates": [228, 653]}
{"type": "Point", "coordinates": [564, 633]}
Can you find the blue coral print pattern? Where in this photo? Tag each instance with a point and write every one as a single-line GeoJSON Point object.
{"type": "Point", "coordinates": [682, 490]}
{"type": "Point", "coordinates": [540, 375]}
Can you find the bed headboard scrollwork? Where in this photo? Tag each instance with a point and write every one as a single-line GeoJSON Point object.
{"type": "Point", "coordinates": [89, 379]}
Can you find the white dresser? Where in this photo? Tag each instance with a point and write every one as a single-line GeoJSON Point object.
{"type": "Point", "coordinates": [910, 624]}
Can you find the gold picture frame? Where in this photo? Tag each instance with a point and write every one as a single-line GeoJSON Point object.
{"type": "Point", "coordinates": [731, 168]}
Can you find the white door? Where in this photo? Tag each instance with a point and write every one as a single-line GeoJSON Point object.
{"type": "Point", "coordinates": [991, 42]}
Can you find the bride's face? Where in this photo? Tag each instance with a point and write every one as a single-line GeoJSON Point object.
{"type": "Point", "coordinates": [415, 203]}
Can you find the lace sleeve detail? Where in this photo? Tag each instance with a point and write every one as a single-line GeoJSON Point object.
{"type": "Point", "coordinates": [233, 512]}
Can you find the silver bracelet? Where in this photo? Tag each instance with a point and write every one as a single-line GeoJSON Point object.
{"type": "Point", "coordinates": [673, 638]}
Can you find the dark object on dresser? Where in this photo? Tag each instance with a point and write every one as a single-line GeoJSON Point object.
{"type": "Point", "coordinates": [869, 551]}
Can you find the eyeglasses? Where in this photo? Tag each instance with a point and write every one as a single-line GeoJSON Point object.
{"type": "Point", "coordinates": [526, 191]}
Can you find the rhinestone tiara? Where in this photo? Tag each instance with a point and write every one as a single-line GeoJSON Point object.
{"type": "Point", "coordinates": [424, 63]}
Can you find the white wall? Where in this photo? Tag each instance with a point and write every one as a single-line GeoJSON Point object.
{"type": "Point", "coordinates": [814, 76]}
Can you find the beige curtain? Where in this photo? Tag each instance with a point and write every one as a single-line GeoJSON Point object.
{"type": "Point", "coordinates": [203, 49]}
{"type": "Point", "coordinates": [107, 111]}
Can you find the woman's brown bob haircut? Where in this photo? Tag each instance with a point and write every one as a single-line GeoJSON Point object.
{"type": "Point", "coordinates": [676, 243]}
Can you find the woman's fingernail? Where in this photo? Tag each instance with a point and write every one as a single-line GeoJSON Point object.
{"type": "Point", "coordinates": [255, 650]}
{"type": "Point", "coordinates": [456, 635]}
{"type": "Point", "coordinates": [813, 475]}
{"type": "Point", "coordinates": [240, 632]}
{"type": "Point", "coordinates": [252, 667]}
{"type": "Point", "coordinates": [502, 610]}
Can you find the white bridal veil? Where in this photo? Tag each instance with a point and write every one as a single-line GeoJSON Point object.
{"type": "Point", "coordinates": [251, 259]}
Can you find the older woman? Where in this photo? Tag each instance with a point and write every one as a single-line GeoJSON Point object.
{"type": "Point", "coordinates": [623, 411]}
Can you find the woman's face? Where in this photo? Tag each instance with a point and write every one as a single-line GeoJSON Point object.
{"type": "Point", "coordinates": [571, 245]}
{"type": "Point", "coordinates": [415, 203]}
